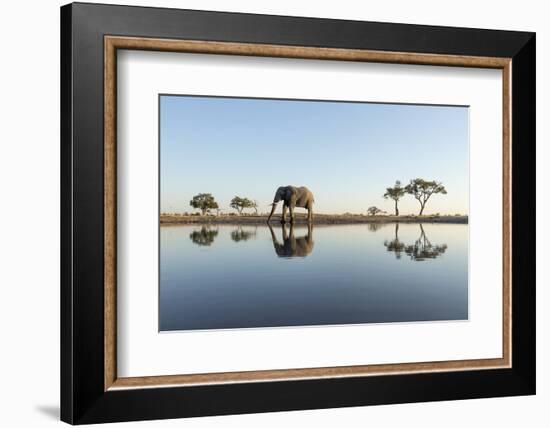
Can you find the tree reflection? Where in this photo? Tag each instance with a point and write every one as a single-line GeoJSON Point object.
{"type": "Point", "coordinates": [241, 234]}
{"type": "Point", "coordinates": [375, 227]}
{"type": "Point", "coordinates": [395, 244]}
{"type": "Point", "coordinates": [292, 246]}
{"type": "Point", "coordinates": [204, 237]}
{"type": "Point", "coordinates": [422, 249]}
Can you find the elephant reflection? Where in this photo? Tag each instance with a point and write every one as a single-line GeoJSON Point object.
{"type": "Point", "coordinates": [241, 234]}
{"type": "Point", "coordinates": [203, 237]}
{"type": "Point", "coordinates": [422, 249]}
{"type": "Point", "coordinates": [292, 246]}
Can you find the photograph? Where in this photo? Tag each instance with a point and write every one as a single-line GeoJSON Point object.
{"type": "Point", "coordinates": [290, 212]}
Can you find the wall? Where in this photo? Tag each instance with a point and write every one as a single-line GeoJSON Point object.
{"type": "Point", "coordinates": [29, 230]}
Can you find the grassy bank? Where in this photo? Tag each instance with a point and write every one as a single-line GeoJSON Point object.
{"type": "Point", "coordinates": [167, 219]}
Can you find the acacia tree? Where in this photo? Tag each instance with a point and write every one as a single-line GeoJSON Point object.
{"type": "Point", "coordinates": [204, 202]}
{"type": "Point", "coordinates": [240, 204]}
{"type": "Point", "coordinates": [374, 210]}
{"type": "Point", "coordinates": [255, 206]}
{"type": "Point", "coordinates": [396, 192]}
{"type": "Point", "coordinates": [422, 190]}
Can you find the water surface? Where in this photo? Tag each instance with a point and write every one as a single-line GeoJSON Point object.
{"type": "Point", "coordinates": [216, 277]}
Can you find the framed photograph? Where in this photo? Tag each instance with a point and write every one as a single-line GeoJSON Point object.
{"type": "Point", "coordinates": [265, 213]}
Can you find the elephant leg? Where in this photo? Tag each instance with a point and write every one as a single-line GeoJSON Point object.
{"type": "Point", "coordinates": [291, 211]}
{"type": "Point", "coordinates": [273, 237]}
{"type": "Point", "coordinates": [310, 214]}
{"type": "Point", "coordinates": [283, 218]}
{"type": "Point", "coordinates": [292, 240]}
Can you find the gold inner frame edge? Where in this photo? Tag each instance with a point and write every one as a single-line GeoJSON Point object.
{"type": "Point", "coordinates": [113, 43]}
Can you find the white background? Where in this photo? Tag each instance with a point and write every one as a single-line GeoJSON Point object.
{"type": "Point", "coordinates": [29, 218]}
{"type": "Point", "coordinates": [143, 352]}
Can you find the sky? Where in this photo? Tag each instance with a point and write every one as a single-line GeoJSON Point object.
{"type": "Point", "coordinates": [346, 153]}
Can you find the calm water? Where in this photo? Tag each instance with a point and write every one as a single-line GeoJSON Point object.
{"type": "Point", "coordinates": [215, 277]}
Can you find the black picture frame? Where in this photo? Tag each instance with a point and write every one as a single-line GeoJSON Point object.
{"type": "Point", "coordinates": [83, 398]}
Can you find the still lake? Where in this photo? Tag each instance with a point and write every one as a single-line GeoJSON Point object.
{"type": "Point", "coordinates": [229, 276]}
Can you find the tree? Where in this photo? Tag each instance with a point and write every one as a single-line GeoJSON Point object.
{"type": "Point", "coordinates": [396, 192]}
{"type": "Point", "coordinates": [255, 206]}
{"type": "Point", "coordinates": [204, 202]}
{"type": "Point", "coordinates": [374, 210]}
{"type": "Point", "coordinates": [422, 190]}
{"type": "Point", "coordinates": [240, 204]}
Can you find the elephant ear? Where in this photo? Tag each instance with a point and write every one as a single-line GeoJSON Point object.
{"type": "Point", "coordinates": [291, 191]}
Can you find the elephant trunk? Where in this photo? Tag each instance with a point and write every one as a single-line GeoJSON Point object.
{"type": "Point", "coordinates": [273, 206]}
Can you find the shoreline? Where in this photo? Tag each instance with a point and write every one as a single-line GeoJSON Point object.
{"type": "Point", "coordinates": [321, 219]}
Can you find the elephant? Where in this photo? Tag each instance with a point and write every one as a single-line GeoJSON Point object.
{"type": "Point", "coordinates": [292, 246]}
{"type": "Point", "coordinates": [293, 197]}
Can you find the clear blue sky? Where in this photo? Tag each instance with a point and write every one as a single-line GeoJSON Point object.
{"type": "Point", "coordinates": [346, 153]}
